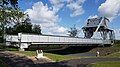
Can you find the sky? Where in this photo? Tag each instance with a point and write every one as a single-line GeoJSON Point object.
{"type": "Point", "coordinates": [56, 17]}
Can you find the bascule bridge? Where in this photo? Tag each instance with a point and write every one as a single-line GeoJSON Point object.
{"type": "Point", "coordinates": [93, 26]}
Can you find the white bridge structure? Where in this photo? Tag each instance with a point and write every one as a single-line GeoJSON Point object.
{"type": "Point", "coordinates": [23, 40]}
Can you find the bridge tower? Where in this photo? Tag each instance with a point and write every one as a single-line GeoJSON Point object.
{"type": "Point", "coordinates": [98, 24]}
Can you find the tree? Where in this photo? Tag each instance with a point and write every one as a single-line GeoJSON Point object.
{"type": "Point", "coordinates": [9, 30]}
{"type": "Point", "coordinates": [73, 32]}
{"type": "Point", "coordinates": [13, 3]}
{"type": "Point", "coordinates": [9, 15]}
{"type": "Point", "coordinates": [24, 27]}
{"type": "Point", "coordinates": [37, 29]}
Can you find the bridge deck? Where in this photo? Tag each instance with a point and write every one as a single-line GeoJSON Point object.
{"type": "Point", "coordinates": [29, 39]}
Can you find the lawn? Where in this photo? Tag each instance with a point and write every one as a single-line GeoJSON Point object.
{"type": "Point", "coordinates": [57, 57]}
{"type": "Point", "coordinates": [114, 55]}
{"type": "Point", "coordinates": [117, 47]}
{"type": "Point", "coordinates": [106, 64]}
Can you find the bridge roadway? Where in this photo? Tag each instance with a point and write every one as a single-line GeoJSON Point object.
{"type": "Point", "coordinates": [24, 40]}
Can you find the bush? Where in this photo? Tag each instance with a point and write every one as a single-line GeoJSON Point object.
{"type": "Point", "coordinates": [117, 41]}
{"type": "Point", "coordinates": [1, 40]}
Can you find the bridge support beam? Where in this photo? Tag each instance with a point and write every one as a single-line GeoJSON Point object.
{"type": "Point", "coordinates": [21, 49]}
{"type": "Point", "coordinates": [23, 46]}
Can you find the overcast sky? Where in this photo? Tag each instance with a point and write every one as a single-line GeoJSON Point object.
{"type": "Point", "coordinates": [57, 16]}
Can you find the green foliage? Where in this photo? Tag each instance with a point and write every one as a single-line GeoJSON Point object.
{"type": "Point", "coordinates": [73, 32]}
{"type": "Point", "coordinates": [117, 43]}
{"type": "Point", "coordinates": [1, 39]}
{"type": "Point", "coordinates": [8, 15]}
{"type": "Point", "coordinates": [13, 20]}
{"type": "Point", "coordinates": [13, 3]}
{"type": "Point", "coordinates": [23, 27]}
{"type": "Point", "coordinates": [37, 29]}
{"type": "Point", "coordinates": [106, 64]}
{"type": "Point", "coordinates": [1, 46]}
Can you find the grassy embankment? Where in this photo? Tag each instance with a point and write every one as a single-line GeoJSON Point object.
{"type": "Point", "coordinates": [106, 64]}
{"type": "Point", "coordinates": [110, 63]}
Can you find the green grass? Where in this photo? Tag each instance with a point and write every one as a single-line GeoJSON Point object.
{"type": "Point", "coordinates": [11, 49]}
{"type": "Point", "coordinates": [57, 57]}
{"type": "Point", "coordinates": [27, 53]}
{"type": "Point", "coordinates": [2, 64]}
{"type": "Point", "coordinates": [116, 48]}
{"type": "Point", "coordinates": [114, 55]}
{"type": "Point", "coordinates": [117, 45]}
{"type": "Point", "coordinates": [106, 64]}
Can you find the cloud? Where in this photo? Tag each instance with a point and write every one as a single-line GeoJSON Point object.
{"type": "Point", "coordinates": [94, 16]}
{"type": "Point", "coordinates": [41, 14]}
{"type": "Point", "coordinates": [46, 17]}
{"type": "Point", "coordinates": [76, 6]}
{"type": "Point", "coordinates": [117, 33]}
{"type": "Point", "coordinates": [110, 9]}
{"type": "Point", "coordinates": [58, 30]}
{"type": "Point", "coordinates": [58, 4]}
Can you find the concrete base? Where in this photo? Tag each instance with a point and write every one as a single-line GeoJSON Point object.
{"type": "Point", "coordinates": [21, 49]}
{"type": "Point", "coordinates": [39, 54]}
